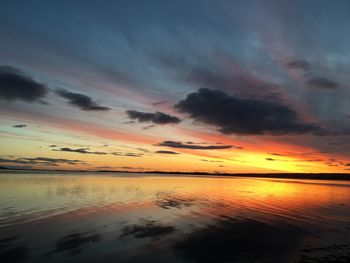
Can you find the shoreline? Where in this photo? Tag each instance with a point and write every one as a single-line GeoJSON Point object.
{"type": "Point", "coordinates": [309, 176]}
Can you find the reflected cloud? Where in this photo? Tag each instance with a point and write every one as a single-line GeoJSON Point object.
{"type": "Point", "coordinates": [168, 201]}
{"type": "Point", "coordinates": [150, 229]}
{"type": "Point", "coordinates": [74, 243]}
{"type": "Point", "coordinates": [231, 240]}
{"type": "Point", "coordinates": [334, 254]}
{"type": "Point", "coordinates": [13, 251]}
{"type": "Point", "coordinates": [199, 219]}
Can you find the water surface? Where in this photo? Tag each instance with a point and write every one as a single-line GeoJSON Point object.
{"type": "Point", "coordinates": [82, 217]}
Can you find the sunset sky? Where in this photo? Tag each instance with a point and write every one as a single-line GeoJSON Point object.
{"type": "Point", "coordinates": [193, 86]}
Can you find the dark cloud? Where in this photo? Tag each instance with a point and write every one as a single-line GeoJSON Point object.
{"type": "Point", "coordinates": [40, 161]}
{"type": "Point", "coordinates": [87, 151]}
{"type": "Point", "coordinates": [174, 144]}
{"type": "Point", "coordinates": [310, 79]}
{"type": "Point", "coordinates": [335, 162]}
{"type": "Point", "coordinates": [211, 161]}
{"type": "Point", "coordinates": [51, 161]}
{"type": "Point", "coordinates": [278, 154]}
{"type": "Point", "coordinates": [122, 167]}
{"type": "Point", "coordinates": [321, 82]}
{"type": "Point", "coordinates": [200, 71]}
{"type": "Point", "coordinates": [167, 152]}
{"type": "Point", "coordinates": [232, 114]}
{"type": "Point", "coordinates": [142, 150]}
{"type": "Point", "coordinates": [81, 101]}
{"type": "Point", "coordinates": [243, 83]}
{"type": "Point", "coordinates": [296, 161]}
{"type": "Point", "coordinates": [80, 150]}
{"type": "Point", "coordinates": [336, 143]}
{"type": "Point", "coordinates": [301, 64]}
{"type": "Point", "coordinates": [19, 126]}
{"type": "Point", "coordinates": [15, 161]}
{"type": "Point", "coordinates": [157, 103]}
{"type": "Point", "coordinates": [15, 85]}
{"type": "Point", "coordinates": [157, 117]}
{"type": "Point", "coordinates": [339, 143]}
{"type": "Point", "coordinates": [127, 154]}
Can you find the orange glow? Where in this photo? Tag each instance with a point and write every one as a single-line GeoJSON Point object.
{"type": "Point", "coordinates": [256, 154]}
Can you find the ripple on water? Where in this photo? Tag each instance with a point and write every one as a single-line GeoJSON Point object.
{"type": "Point", "coordinates": [74, 218]}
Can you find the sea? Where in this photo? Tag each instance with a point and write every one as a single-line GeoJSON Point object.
{"type": "Point", "coordinates": [124, 217]}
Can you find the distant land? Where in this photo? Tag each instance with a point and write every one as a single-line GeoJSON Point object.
{"type": "Point", "coordinates": [311, 176]}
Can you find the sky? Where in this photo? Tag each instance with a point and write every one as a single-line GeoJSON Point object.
{"type": "Point", "coordinates": [193, 86]}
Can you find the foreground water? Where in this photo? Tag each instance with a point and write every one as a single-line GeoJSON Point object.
{"type": "Point", "coordinates": [82, 217]}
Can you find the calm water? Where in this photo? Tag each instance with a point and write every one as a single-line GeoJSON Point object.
{"type": "Point", "coordinates": [129, 218]}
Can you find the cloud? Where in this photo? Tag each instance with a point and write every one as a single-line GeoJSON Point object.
{"type": "Point", "coordinates": [157, 117]}
{"type": "Point", "coordinates": [231, 114]}
{"type": "Point", "coordinates": [142, 150]}
{"type": "Point", "coordinates": [81, 101]}
{"type": "Point", "coordinates": [313, 81]}
{"type": "Point", "coordinates": [211, 161]}
{"type": "Point", "coordinates": [15, 85]}
{"type": "Point", "coordinates": [322, 82]}
{"type": "Point", "coordinates": [278, 154]}
{"type": "Point", "coordinates": [127, 154]}
{"type": "Point", "coordinates": [338, 143]}
{"type": "Point", "coordinates": [80, 150]}
{"type": "Point", "coordinates": [166, 152]}
{"type": "Point", "coordinates": [174, 144]}
{"type": "Point", "coordinates": [301, 64]}
{"type": "Point", "coordinates": [40, 161]}
{"type": "Point", "coordinates": [241, 82]}
{"type": "Point", "coordinates": [87, 151]}
{"type": "Point", "coordinates": [19, 126]}
{"type": "Point", "coordinates": [202, 72]}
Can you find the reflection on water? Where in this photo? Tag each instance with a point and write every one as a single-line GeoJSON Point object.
{"type": "Point", "coordinates": [129, 218]}
{"type": "Point", "coordinates": [233, 239]}
{"type": "Point", "coordinates": [13, 251]}
{"type": "Point", "coordinates": [73, 243]}
{"type": "Point", "coordinates": [147, 229]}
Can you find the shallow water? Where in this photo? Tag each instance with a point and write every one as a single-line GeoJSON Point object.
{"type": "Point", "coordinates": [82, 217]}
